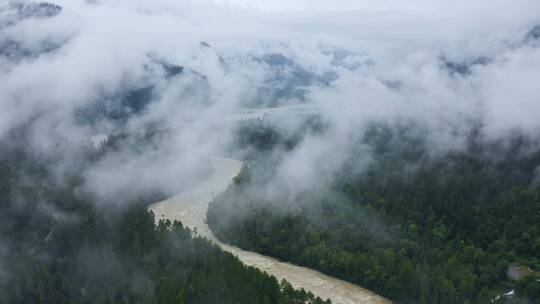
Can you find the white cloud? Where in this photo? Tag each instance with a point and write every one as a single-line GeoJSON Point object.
{"type": "Point", "coordinates": [106, 47]}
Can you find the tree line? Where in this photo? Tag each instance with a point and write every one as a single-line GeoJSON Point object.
{"type": "Point", "coordinates": [414, 226]}
{"type": "Point", "coordinates": [59, 246]}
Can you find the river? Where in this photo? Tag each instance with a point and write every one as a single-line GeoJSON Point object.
{"type": "Point", "coordinates": [190, 208]}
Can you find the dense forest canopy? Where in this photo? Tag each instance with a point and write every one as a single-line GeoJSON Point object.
{"type": "Point", "coordinates": [394, 144]}
{"type": "Point", "coordinates": [416, 226]}
{"type": "Point", "coordinates": [59, 246]}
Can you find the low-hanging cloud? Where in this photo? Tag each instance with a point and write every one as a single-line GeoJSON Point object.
{"type": "Point", "coordinates": [444, 65]}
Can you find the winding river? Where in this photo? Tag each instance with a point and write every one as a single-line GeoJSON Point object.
{"type": "Point", "coordinates": [190, 208]}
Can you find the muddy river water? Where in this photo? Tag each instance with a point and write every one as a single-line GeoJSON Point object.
{"type": "Point", "coordinates": [190, 208]}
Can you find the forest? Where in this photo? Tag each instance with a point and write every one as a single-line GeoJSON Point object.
{"type": "Point", "coordinates": [59, 246]}
{"type": "Point", "coordinates": [416, 226]}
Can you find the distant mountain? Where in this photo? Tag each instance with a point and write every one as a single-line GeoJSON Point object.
{"type": "Point", "coordinates": [131, 101]}
{"type": "Point", "coordinates": [170, 69]}
{"type": "Point", "coordinates": [38, 10]}
{"type": "Point", "coordinates": [533, 34]}
{"type": "Point", "coordinates": [289, 79]}
{"type": "Point", "coordinates": [220, 59]}
{"type": "Point", "coordinates": [127, 102]}
{"type": "Point", "coordinates": [13, 48]}
{"type": "Point", "coordinates": [19, 10]}
{"type": "Point", "coordinates": [464, 68]}
{"type": "Point", "coordinates": [134, 101]}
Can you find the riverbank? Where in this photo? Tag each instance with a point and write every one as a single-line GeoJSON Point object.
{"type": "Point", "coordinates": [190, 208]}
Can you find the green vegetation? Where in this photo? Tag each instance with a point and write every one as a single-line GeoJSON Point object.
{"type": "Point", "coordinates": [58, 246]}
{"type": "Point", "coordinates": [415, 226]}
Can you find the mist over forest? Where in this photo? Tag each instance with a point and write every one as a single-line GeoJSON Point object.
{"type": "Point", "coordinates": [388, 144]}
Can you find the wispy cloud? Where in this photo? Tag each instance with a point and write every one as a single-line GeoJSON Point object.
{"type": "Point", "coordinates": [361, 61]}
